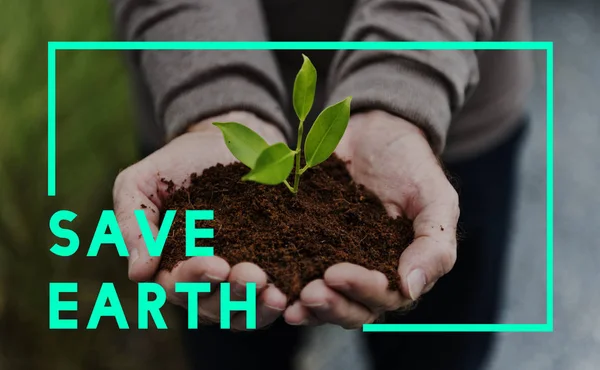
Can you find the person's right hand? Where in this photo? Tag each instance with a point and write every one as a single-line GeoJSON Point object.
{"type": "Point", "coordinates": [201, 147]}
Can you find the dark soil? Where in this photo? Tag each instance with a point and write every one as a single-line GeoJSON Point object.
{"type": "Point", "coordinates": [294, 239]}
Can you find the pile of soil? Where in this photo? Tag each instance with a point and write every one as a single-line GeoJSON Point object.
{"type": "Point", "coordinates": [293, 238]}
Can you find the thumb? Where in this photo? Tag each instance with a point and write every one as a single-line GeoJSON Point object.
{"type": "Point", "coordinates": [433, 251]}
{"type": "Point", "coordinates": [128, 198]}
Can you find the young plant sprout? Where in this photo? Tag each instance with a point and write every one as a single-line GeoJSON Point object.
{"type": "Point", "coordinates": [272, 164]}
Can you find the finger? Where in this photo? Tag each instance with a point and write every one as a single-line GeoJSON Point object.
{"type": "Point", "coordinates": [270, 305]}
{"type": "Point", "coordinates": [368, 287]}
{"type": "Point", "coordinates": [132, 191]}
{"type": "Point", "coordinates": [213, 270]}
{"type": "Point", "coordinates": [297, 315]}
{"type": "Point", "coordinates": [329, 306]}
{"type": "Point", "coordinates": [242, 274]}
{"type": "Point", "coordinates": [433, 251]}
{"type": "Point", "coordinates": [209, 307]}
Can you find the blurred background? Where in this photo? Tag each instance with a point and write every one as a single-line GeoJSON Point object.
{"type": "Point", "coordinates": [96, 139]}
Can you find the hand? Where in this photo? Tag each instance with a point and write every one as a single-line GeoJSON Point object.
{"type": "Point", "coordinates": [393, 159]}
{"type": "Point", "coordinates": [199, 148]}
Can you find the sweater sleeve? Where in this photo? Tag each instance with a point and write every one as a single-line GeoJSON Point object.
{"type": "Point", "coordinates": [190, 85]}
{"type": "Point", "coordinates": [424, 87]}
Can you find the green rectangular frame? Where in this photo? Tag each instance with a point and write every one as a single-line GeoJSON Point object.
{"type": "Point", "coordinates": [548, 46]}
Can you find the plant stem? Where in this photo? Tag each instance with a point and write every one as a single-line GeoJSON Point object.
{"type": "Point", "coordinates": [288, 185]}
{"type": "Point", "coordinates": [298, 155]}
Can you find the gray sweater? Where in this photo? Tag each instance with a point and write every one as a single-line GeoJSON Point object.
{"type": "Point", "coordinates": [465, 101]}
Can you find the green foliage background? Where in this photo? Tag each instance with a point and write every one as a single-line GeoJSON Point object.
{"type": "Point", "coordinates": [95, 140]}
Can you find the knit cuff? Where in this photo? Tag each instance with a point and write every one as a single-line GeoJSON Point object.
{"type": "Point", "coordinates": [222, 95]}
{"type": "Point", "coordinates": [400, 88]}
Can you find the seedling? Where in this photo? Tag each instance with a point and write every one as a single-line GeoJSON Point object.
{"type": "Point", "coordinates": [272, 164]}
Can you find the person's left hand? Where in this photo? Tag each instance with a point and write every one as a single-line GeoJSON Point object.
{"type": "Point", "coordinates": [392, 158]}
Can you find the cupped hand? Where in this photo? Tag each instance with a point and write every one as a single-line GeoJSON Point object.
{"type": "Point", "coordinates": [392, 158]}
{"type": "Point", "coordinates": [201, 147]}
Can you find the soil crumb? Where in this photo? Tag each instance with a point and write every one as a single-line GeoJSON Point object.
{"type": "Point", "coordinates": [294, 239]}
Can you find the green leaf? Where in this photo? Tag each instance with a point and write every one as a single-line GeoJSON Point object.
{"type": "Point", "coordinates": [245, 144]}
{"type": "Point", "coordinates": [326, 132]}
{"type": "Point", "coordinates": [304, 88]}
{"type": "Point", "coordinates": [273, 165]}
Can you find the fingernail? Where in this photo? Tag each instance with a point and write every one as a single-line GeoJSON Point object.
{"type": "Point", "coordinates": [303, 322]}
{"type": "Point", "coordinates": [416, 283]}
{"type": "Point", "coordinates": [133, 256]}
{"type": "Point", "coordinates": [274, 308]}
{"type": "Point", "coordinates": [319, 306]}
{"type": "Point", "coordinates": [211, 278]}
{"type": "Point", "coordinates": [338, 286]}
